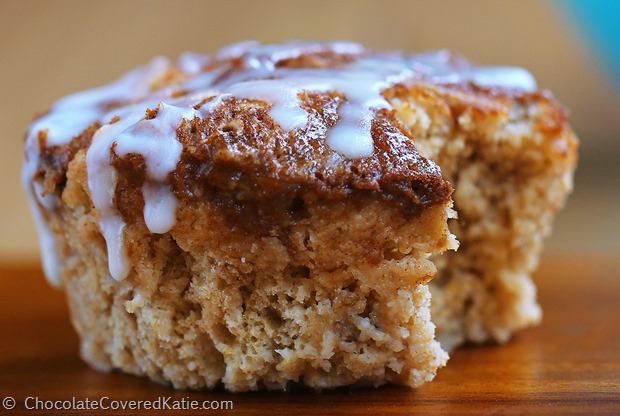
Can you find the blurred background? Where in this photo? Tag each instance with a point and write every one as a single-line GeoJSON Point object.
{"type": "Point", "coordinates": [53, 48]}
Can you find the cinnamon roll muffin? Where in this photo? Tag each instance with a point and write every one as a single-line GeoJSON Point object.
{"type": "Point", "coordinates": [275, 213]}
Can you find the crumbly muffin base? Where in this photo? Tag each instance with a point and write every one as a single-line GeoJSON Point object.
{"type": "Point", "coordinates": [511, 161]}
{"type": "Point", "coordinates": [339, 298]}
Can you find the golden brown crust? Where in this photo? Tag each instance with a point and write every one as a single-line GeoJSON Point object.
{"type": "Point", "coordinates": [240, 157]}
{"type": "Point", "coordinates": [239, 147]}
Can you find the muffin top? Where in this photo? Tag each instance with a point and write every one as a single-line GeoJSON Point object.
{"type": "Point", "coordinates": [259, 120]}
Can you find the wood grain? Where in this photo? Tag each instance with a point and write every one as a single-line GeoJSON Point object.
{"type": "Point", "coordinates": [568, 365]}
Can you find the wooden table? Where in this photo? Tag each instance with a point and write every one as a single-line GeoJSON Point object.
{"type": "Point", "coordinates": [568, 365]}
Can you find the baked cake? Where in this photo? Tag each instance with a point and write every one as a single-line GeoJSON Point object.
{"type": "Point", "coordinates": [274, 213]}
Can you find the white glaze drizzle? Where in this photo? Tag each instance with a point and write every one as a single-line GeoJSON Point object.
{"type": "Point", "coordinates": [47, 242]}
{"type": "Point", "coordinates": [444, 67]}
{"type": "Point", "coordinates": [155, 140]}
{"type": "Point", "coordinates": [67, 119]}
{"type": "Point", "coordinates": [259, 77]}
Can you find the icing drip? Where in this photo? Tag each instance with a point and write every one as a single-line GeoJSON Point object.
{"type": "Point", "coordinates": [47, 243]}
{"type": "Point", "coordinates": [155, 140]}
{"type": "Point", "coordinates": [73, 114]}
{"type": "Point", "coordinates": [444, 67]}
{"type": "Point", "coordinates": [66, 120]}
{"type": "Point", "coordinates": [247, 70]}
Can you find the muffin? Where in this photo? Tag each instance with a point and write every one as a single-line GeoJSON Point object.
{"type": "Point", "coordinates": [274, 214]}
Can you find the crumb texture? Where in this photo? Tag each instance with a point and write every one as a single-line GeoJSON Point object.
{"type": "Point", "coordinates": [510, 158]}
{"type": "Point", "coordinates": [337, 298]}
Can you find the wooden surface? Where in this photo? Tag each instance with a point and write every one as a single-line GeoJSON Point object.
{"type": "Point", "coordinates": [568, 365]}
